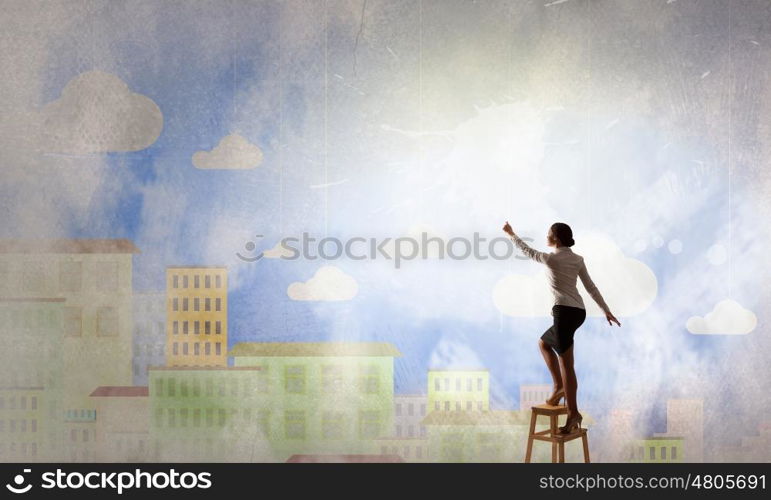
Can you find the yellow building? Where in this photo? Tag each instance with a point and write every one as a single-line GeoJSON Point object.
{"type": "Point", "coordinates": [458, 390]}
{"type": "Point", "coordinates": [196, 316]}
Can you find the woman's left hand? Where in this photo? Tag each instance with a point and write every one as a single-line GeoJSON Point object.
{"type": "Point", "coordinates": [507, 229]}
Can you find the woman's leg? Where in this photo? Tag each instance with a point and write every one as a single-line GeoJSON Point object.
{"type": "Point", "coordinates": [569, 380]}
{"type": "Point", "coordinates": [551, 363]}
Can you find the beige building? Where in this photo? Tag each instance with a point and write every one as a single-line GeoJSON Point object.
{"type": "Point", "coordinates": [94, 276]}
{"type": "Point", "coordinates": [122, 429]}
{"type": "Point", "coordinates": [458, 390]}
{"type": "Point", "coordinates": [196, 316]}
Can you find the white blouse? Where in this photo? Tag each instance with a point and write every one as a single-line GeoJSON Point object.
{"type": "Point", "coordinates": [563, 266]}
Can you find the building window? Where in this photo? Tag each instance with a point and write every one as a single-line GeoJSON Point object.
{"type": "Point", "coordinates": [70, 276]}
{"type": "Point", "coordinates": [184, 349]}
{"type": "Point", "coordinates": [332, 425]}
{"type": "Point", "coordinates": [197, 327]}
{"type": "Point", "coordinates": [185, 304]}
{"type": "Point", "coordinates": [457, 384]}
{"type": "Point", "coordinates": [197, 349]}
{"type": "Point", "coordinates": [196, 304]}
{"type": "Point", "coordinates": [207, 349]}
{"type": "Point", "coordinates": [369, 380]}
{"type": "Point", "coordinates": [207, 327]}
{"type": "Point", "coordinates": [294, 379]}
{"type": "Point", "coordinates": [423, 409]}
{"type": "Point", "coordinates": [398, 409]}
{"type": "Point", "coordinates": [176, 327]}
{"type": "Point", "coordinates": [217, 281]}
{"type": "Point", "coordinates": [172, 417]}
{"type": "Point", "coordinates": [106, 275]}
{"type": "Point", "coordinates": [196, 281]}
{"type": "Point", "coordinates": [436, 405]}
{"type": "Point", "coordinates": [175, 304]}
{"type": "Point", "coordinates": [369, 424]}
{"type": "Point", "coordinates": [184, 281]}
{"type": "Point", "coordinates": [652, 453]}
{"type": "Point", "coordinates": [175, 281]}
{"type": "Point", "coordinates": [159, 386]}
{"type": "Point", "coordinates": [217, 349]}
{"type": "Point", "coordinates": [183, 417]}
{"type": "Point", "coordinates": [207, 281]}
{"type": "Point", "coordinates": [398, 430]}
{"type": "Point", "coordinates": [33, 277]}
{"type": "Point", "coordinates": [410, 409]}
{"type": "Point", "coordinates": [663, 452]}
{"type": "Point", "coordinates": [207, 304]}
{"type": "Point", "coordinates": [331, 378]}
{"type": "Point", "coordinates": [479, 384]}
{"type": "Point", "coordinates": [446, 384]}
{"type": "Point", "coordinates": [294, 424]}
{"type": "Point", "coordinates": [410, 431]}
{"type": "Point", "coordinates": [218, 304]}
{"type": "Point", "coordinates": [107, 321]}
{"type": "Point", "coordinates": [175, 349]}
{"type": "Point", "coordinates": [468, 384]}
{"type": "Point", "coordinates": [436, 384]}
{"type": "Point", "coordinates": [73, 321]}
{"type": "Point", "coordinates": [674, 453]}
{"type": "Point", "coordinates": [184, 327]}
{"type": "Point", "coordinates": [217, 327]}
{"type": "Point", "coordinates": [446, 406]}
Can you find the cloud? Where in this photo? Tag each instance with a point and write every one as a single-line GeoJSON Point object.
{"type": "Point", "coordinates": [98, 113]}
{"type": "Point", "coordinates": [727, 318]}
{"type": "Point", "coordinates": [277, 252]}
{"type": "Point", "coordinates": [232, 153]}
{"type": "Point", "coordinates": [627, 285]}
{"type": "Point", "coordinates": [329, 283]}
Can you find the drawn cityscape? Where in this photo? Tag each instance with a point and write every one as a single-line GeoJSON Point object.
{"type": "Point", "coordinates": [92, 371]}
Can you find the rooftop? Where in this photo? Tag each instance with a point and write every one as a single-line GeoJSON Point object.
{"type": "Point", "coordinates": [314, 349]}
{"type": "Point", "coordinates": [66, 245]}
{"type": "Point", "coordinates": [120, 391]}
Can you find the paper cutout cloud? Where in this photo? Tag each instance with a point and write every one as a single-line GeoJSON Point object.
{"type": "Point", "coordinates": [727, 318]}
{"type": "Point", "coordinates": [97, 113]}
{"type": "Point", "coordinates": [232, 153]}
{"type": "Point", "coordinates": [329, 283]}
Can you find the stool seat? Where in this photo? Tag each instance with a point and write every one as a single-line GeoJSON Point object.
{"type": "Point", "coordinates": [552, 434]}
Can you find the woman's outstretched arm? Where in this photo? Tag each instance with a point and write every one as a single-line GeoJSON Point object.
{"type": "Point", "coordinates": [583, 273]}
{"type": "Point", "coordinates": [531, 253]}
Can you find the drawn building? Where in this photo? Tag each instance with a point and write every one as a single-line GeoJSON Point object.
{"type": "Point", "coordinates": [31, 379]}
{"type": "Point", "coordinates": [196, 316]}
{"type": "Point", "coordinates": [122, 431]}
{"type": "Point", "coordinates": [94, 276]}
{"type": "Point", "coordinates": [458, 390]}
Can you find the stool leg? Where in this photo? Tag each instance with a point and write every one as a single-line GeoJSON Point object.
{"type": "Point", "coordinates": [562, 451]}
{"type": "Point", "coordinates": [553, 424]}
{"type": "Point", "coordinates": [585, 441]}
{"type": "Point", "coordinates": [529, 451]}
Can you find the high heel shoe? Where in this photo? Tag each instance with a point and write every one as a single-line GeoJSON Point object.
{"type": "Point", "coordinates": [572, 424]}
{"type": "Point", "coordinates": [555, 398]}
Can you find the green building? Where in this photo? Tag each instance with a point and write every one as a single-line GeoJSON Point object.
{"type": "Point", "coordinates": [657, 450]}
{"type": "Point", "coordinates": [322, 397]}
{"type": "Point", "coordinates": [277, 400]}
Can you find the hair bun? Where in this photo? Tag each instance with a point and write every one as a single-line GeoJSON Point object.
{"type": "Point", "coordinates": [571, 242]}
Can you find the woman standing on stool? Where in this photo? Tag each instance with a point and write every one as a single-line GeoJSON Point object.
{"type": "Point", "coordinates": [563, 267]}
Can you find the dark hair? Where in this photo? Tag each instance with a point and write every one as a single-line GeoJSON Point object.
{"type": "Point", "coordinates": [563, 232]}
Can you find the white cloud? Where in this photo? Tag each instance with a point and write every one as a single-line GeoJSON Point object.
{"type": "Point", "coordinates": [727, 318]}
{"type": "Point", "coordinates": [97, 113]}
{"type": "Point", "coordinates": [329, 283]}
{"type": "Point", "coordinates": [277, 252]}
{"type": "Point", "coordinates": [627, 285]}
{"type": "Point", "coordinates": [717, 254]}
{"type": "Point", "coordinates": [232, 153]}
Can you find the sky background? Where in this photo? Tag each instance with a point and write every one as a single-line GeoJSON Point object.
{"type": "Point", "coordinates": [642, 124]}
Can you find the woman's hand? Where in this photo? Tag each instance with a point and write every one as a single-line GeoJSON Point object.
{"type": "Point", "coordinates": [609, 316]}
{"type": "Point", "coordinates": [507, 229]}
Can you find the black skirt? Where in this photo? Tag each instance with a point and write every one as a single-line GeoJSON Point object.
{"type": "Point", "coordinates": [567, 319]}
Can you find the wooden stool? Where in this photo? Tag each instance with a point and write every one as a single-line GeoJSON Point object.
{"type": "Point", "coordinates": [552, 434]}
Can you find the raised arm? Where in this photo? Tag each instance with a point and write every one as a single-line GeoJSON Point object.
{"type": "Point", "coordinates": [532, 253]}
{"type": "Point", "coordinates": [592, 288]}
